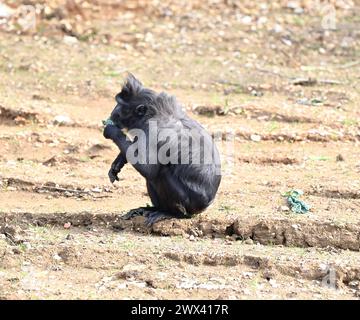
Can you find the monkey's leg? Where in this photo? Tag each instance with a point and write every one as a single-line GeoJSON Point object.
{"type": "Point", "coordinates": [153, 195]}
{"type": "Point", "coordinates": [143, 211]}
{"type": "Point", "coordinates": [116, 167]}
{"type": "Point", "coordinates": [157, 213]}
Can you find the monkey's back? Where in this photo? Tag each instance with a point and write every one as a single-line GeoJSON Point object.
{"type": "Point", "coordinates": [194, 184]}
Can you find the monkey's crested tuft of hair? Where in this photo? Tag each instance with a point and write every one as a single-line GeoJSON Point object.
{"type": "Point", "coordinates": [131, 88]}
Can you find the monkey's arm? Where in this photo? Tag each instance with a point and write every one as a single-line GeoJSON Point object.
{"type": "Point", "coordinates": [116, 167]}
{"type": "Point", "coordinates": [149, 171]}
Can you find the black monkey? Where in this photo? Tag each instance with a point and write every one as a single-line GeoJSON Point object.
{"type": "Point", "coordinates": [183, 178]}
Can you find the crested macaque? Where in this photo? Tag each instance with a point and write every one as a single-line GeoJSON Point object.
{"type": "Point", "coordinates": [173, 152]}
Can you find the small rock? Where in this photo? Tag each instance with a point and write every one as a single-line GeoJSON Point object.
{"type": "Point", "coordinates": [70, 40]}
{"type": "Point", "coordinates": [16, 251]}
{"type": "Point", "coordinates": [284, 208]}
{"type": "Point", "coordinates": [67, 225]}
{"type": "Point", "coordinates": [107, 279]}
{"type": "Point", "coordinates": [122, 286]}
{"type": "Point", "coordinates": [192, 238]}
{"type": "Point", "coordinates": [278, 28]}
{"type": "Point", "coordinates": [27, 245]}
{"type": "Point", "coordinates": [249, 241]}
{"type": "Point", "coordinates": [340, 157]}
{"type": "Point", "coordinates": [20, 120]}
{"type": "Point", "coordinates": [69, 237]}
{"type": "Point", "coordinates": [273, 283]}
{"type": "Point", "coordinates": [247, 274]}
{"type": "Point", "coordinates": [246, 20]}
{"type": "Point", "coordinates": [255, 137]}
{"type": "Point", "coordinates": [62, 120]}
{"type": "Point", "coordinates": [56, 257]}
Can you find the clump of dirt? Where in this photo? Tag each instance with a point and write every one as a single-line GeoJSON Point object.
{"type": "Point", "coordinates": [278, 231]}
{"type": "Point", "coordinates": [270, 160]}
{"type": "Point", "coordinates": [322, 191]}
{"type": "Point", "coordinates": [210, 111]}
{"type": "Point", "coordinates": [16, 117]}
{"type": "Point", "coordinates": [56, 160]}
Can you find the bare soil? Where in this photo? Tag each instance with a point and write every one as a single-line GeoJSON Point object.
{"type": "Point", "coordinates": [243, 67]}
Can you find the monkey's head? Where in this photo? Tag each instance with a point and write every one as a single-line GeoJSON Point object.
{"type": "Point", "coordinates": [136, 105]}
{"type": "Point", "coordinates": [133, 104]}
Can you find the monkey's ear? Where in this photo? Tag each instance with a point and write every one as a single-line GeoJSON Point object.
{"type": "Point", "coordinates": [140, 110]}
{"type": "Point", "coordinates": [130, 88]}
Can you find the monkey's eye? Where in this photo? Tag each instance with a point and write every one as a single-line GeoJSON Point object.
{"type": "Point", "coordinates": [140, 110]}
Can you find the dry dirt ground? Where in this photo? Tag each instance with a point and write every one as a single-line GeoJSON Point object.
{"type": "Point", "coordinates": [273, 74]}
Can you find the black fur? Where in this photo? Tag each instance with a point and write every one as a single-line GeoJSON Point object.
{"type": "Point", "coordinates": [175, 189]}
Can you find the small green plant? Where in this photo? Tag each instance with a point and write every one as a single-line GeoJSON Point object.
{"type": "Point", "coordinates": [272, 126]}
{"type": "Point", "coordinates": [350, 122]}
{"type": "Point", "coordinates": [224, 207]}
{"type": "Point", "coordinates": [319, 158]}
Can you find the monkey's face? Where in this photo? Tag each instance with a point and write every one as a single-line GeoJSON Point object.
{"type": "Point", "coordinates": [132, 105]}
{"type": "Point", "coordinates": [127, 115]}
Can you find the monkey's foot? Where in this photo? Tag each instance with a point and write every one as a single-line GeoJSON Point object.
{"type": "Point", "coordinates": [142, 211]}
{"type": "Point", "coordinates": [155, 216]}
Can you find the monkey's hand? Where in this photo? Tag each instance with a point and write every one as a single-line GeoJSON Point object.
{"type": "Point", "coordinates": [111, 131]}
{"type": "Point", "coordinates": [116, 167]}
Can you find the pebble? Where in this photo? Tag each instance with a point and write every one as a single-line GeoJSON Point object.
{"type": "Point", "coordinates": [70, 40]}
{"type": "Point", "coordinates": [16, 251]}
{"type": "Point", "coordinates": [69, 237]}
{"type": "Point", "coordinates": [56, 257]}
{"type": "Point", "coordinates": [27, 245]}
{"type": "Point", "coordinates": [273, 283]}
{"type": "Point", "coordinates": [67, 225]}
{"type": "Point", "coordinates": [62, 120]}
{"type": "Point", "coordinates": [255, 137]}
